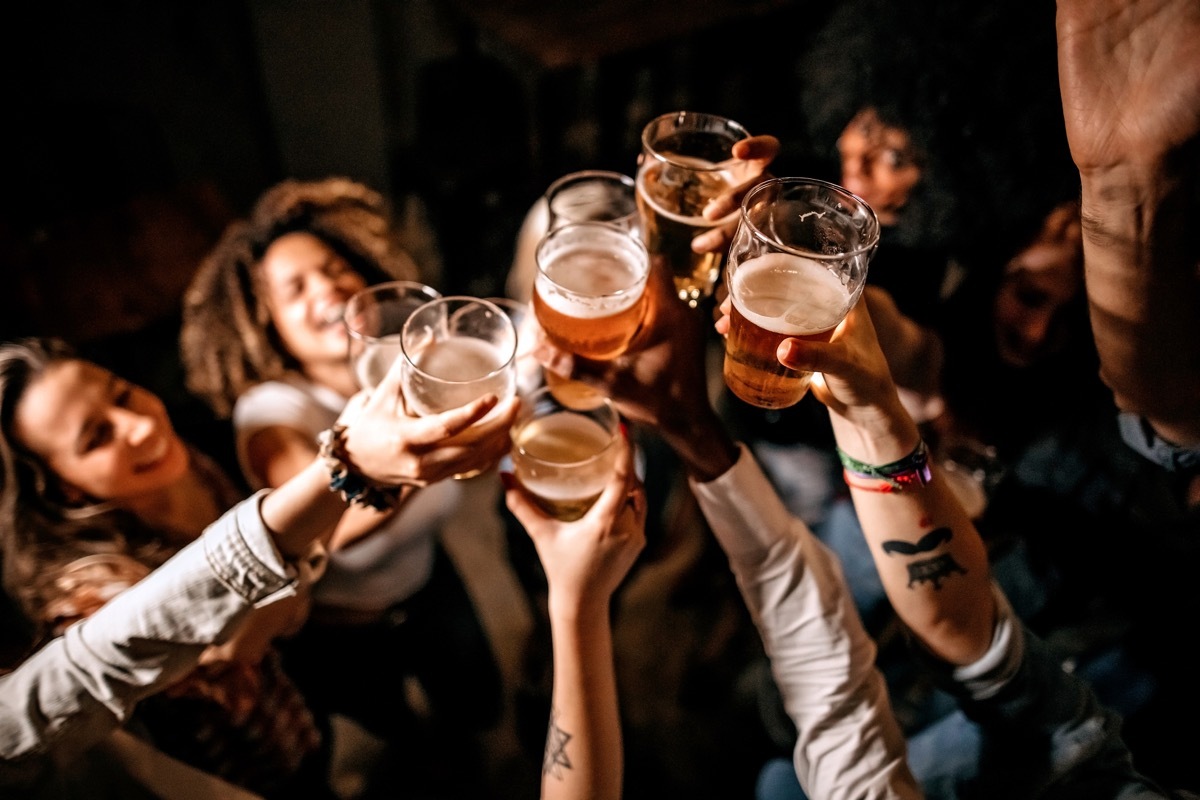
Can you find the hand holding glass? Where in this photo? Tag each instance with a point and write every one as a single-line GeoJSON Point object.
{"type": "Point", "coordinates": [686, 161]}
{"type": "Point", "coordinates": [564, 455]}
{"type": "Point", "coordinates": [797, 264]}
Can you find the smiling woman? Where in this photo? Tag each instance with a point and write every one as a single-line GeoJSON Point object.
{"type": "Point", "coordinates": [97, 490]}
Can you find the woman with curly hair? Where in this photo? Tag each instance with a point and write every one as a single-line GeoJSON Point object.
{"type": "Point", "coordinates": [263, 342]}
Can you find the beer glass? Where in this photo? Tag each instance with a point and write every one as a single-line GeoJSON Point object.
{"type": "Point", "coordinates": [457, 349]}
{"type": "Point", "coordinates": [374, 318]}
{"type": "Point", "coordinates": [589, 293]}
{"type": "Point", "coordinates": [797, 264]}
{"type": "Point", "coordinates": [564, 455]}
{"type": "Point", "coordinates": [685, 163]}
{"type": "Point", "coordinates": [593, 196]}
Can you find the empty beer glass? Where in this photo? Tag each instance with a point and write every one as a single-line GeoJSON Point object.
{"type": "Point", "coordinates": [686, 161]}
{"type": "Point", "coordinates": [374, 318]}
{"type": "Point", "coordinates": [563, 454]}
{"type": "Point", "coordinates": [589, 294]}
{"type": "Point", "coordinates": [797, 264]}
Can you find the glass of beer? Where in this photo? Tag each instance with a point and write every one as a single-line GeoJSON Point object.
{"type": "Point", "coordinates": [457, 349]}
{"type": "Point", "coordinates": [564, 454]}
{"type": "Point", "coordinates": [374, 318]}
{"type": "Point", "coordinates": [593, 195]}
{"type": "Point", "coordinates": [797, 264]}
{"type": "Point", "coordinates": [685, 163]}
{"type": "Point", "coordinates": [589, 293]}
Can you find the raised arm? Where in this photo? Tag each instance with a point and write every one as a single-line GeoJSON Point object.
{"type": "Point", "coordinates": [1130, 78]}
{"type": "Point", "coordinates": [585, 561]}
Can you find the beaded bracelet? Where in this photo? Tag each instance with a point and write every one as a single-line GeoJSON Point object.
{"type": "Point", "coordinates": [352, 486]}
{"type": "Point", "coordinates": [912, 470]}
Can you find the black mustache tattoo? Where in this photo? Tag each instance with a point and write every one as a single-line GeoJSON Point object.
{"type": "Point", "coordinates": [925, 544]}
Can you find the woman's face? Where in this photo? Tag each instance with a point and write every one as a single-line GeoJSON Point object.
{"type": "Point", "coordinates": [1038, 284]}
{"type": "Point", "coordinates": [104, 438]}
{"type": "Point", "coordinates": [879, 164]}
{"type": "Point", "coordinates": [307, 286]}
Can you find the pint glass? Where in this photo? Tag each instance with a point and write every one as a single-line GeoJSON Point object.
{"type": "Point", "coordinates": [374, 318]}
{"type": "Point", "coordinates": [589, 294]}
{"type": "Point", "coordinates": [797, 264]}
{"type": "Point", "coordinates": [686, 161]}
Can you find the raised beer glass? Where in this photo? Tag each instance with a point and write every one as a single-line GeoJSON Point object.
{"type": "Point", "coordinates": [686, 161]}
{"type": "Point", "coordinates": [564, 454]}
{"type": "Point", "coordinates": [457, 349]}
{"type": "Point", "coordinates": [589, 293]}
{"type": "Point", "coordinates": [797, 264]}
{"type": "Point", "coordinates": [374, 318]}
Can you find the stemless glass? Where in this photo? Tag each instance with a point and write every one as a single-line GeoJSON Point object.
{"type": "Point", "coordinates": [589, 294]}
{"type": "Point", "coordinates": [593, 195]}
{"type": "Point", "coordinates": [374, 319]}
{"type": "Point", "coordinates": [564, 455]}
{"type": "Point", "coordinates": [457, 349]}
{"type": "Point", "coordinates": [797, 264]}
{"type": "Point", "coordinates": [686, 161]}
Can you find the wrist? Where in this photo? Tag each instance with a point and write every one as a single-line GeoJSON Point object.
{"type": "Point", "coordinates": [703, 445]}
{"type": "Point", "coordinates": [880, 435]}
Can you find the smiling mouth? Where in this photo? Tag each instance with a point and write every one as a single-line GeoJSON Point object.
{"type": "Point", "coordinates": [333, 315]}
{"type": "Point", "coordinates": [156, 457]}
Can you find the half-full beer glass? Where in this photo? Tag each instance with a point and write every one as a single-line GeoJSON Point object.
{"type": "Point", "coordinates": [686, 161]}
{"type": "Point", "coordinates": [562, 454]}
{"type": "Point", "coordinates": [374, 318]}
{"type": "Point", "coordinates": [797, 264]}
{"type": "Point", "coordinates": [589, 294]}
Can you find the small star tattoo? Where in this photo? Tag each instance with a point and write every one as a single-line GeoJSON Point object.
{"type": "Point", "coordinates": [556, 759]}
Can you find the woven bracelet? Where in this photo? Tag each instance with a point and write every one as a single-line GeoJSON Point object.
{"type": "Point", "coordinates": [912, 470]}
{"type": "Point", "coordinates": [343, 479]}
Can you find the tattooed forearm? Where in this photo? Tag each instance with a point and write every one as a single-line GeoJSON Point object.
{"type": "Point", "coordinates": [929, 570]}
{"type": "Point", "coordinates": [555, 759]}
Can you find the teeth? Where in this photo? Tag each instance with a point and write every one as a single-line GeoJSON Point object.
{"type": "Point", "coordinates": [333, 314]}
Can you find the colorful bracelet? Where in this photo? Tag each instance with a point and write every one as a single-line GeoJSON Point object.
{"type": "Point", "coordinates": [912, 470]}
{"type": "Point", "coordinates": [343, 479]}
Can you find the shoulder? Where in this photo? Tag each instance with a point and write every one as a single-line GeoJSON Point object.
{"type": "Point", "coordinates": [291, 402]}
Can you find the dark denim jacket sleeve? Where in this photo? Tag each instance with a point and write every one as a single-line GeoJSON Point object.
{"type": "Point", "coordinates": [1044, 732]}
{"type": "Point", "coordinates": [80, 686]}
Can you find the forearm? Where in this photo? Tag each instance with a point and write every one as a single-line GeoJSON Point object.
{"type": "Point", "coordinates": [81, 685]}
{"type": "Point", "coordinates": [301, 510]}
{"type": "Point", "coordinates": [848, 742]}
{"type": "Point", "coordinates": [930, 559]}
{"type": "Point", "coordinates": [700, 440]}
{"type": "Point", "coordinates": [1143, 285]}
{"type": "Point", "coordinates": [583, 757]}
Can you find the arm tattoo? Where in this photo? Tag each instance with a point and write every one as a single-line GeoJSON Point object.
{"type": "Point", "coordinates": [555, 759]}
{"type": "Point", "coordinates": [932, 570]}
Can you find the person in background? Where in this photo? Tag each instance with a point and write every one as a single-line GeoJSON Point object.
{"type": "Point", "coordinates": [263, 340]}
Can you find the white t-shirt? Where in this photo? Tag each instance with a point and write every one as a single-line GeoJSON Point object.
{"type": "Point", "coordinates": [390, 564]}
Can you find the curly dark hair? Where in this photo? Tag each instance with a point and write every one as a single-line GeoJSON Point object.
{"type": "Point", "coordinates": [228, 342]}
{"type": "Point", "coordinates": [40, 531]}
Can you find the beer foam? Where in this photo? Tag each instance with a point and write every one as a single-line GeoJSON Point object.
{"type": "Point", "coordinates": [607, 280]}
{"type": "Point", "coordinates": [789, 294]}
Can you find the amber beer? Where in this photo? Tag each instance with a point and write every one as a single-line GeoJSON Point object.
{"type": "Point", "coordinates": [589, 295]}
{"type": "Point", "coordinates": [672, 216]}
{"type": "Point", "coordinates": [777, 296]}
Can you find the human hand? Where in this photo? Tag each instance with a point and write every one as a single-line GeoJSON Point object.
{"type": "Point", "coordinates": [585, 560]}
{"type": "Point", "coordinates": [1130, 86]}
{"type": "Point", "coordinates": [393, 447]}
{"type": "Point", "coordinates": [757, 153]}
